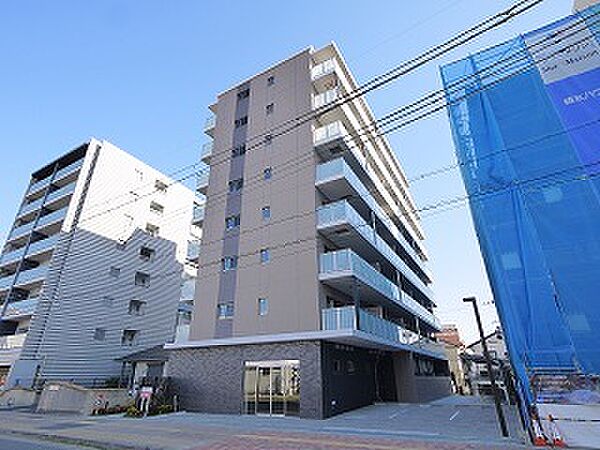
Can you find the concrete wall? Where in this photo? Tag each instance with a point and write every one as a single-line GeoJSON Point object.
{"type": "Point", "coordinates": [17, 397]}
{"type": "Point", "coordinates": [70, 398]}
{"type": "Point", "coordinates": [432, 388]}
{"type": "Point", "coordinates": [211, 379]}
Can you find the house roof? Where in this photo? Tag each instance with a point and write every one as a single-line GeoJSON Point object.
{"type": "Point", "coordinates": [157, 353]}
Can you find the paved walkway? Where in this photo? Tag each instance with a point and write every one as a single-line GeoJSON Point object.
{"type": "Point", "coordinates": [378, 427]}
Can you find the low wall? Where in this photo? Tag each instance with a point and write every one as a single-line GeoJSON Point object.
{"type": "Point", "coordinates": [432, 388]}
{"type": "Point", "coordinates": [17, 397]}
{"type": "Point", "coordinates": [71, 398]}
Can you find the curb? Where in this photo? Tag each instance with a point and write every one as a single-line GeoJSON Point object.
{"type": "Point", "coordinates": [75, 441]}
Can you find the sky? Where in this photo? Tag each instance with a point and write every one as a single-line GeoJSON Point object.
{"type": "Point", "coordinates": [141, 74]}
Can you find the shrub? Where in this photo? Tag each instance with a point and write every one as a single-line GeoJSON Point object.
{"type": "Point", "coordinates": [132, 411]}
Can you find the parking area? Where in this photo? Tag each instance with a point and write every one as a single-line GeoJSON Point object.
{"type": "Point", "coordinates": [448, 424]}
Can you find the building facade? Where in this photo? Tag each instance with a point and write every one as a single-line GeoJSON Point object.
{"type": "Point", "coordinates": [94, 267]}
{"type": "Point", "coordinates": [454, 349]}
{"type": "Point", "coordinates": [525, 117]}
{"type": "Point", "coordinates": [314, 295]}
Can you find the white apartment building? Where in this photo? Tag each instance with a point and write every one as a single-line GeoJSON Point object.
{"type": "Point", "coordinates": [316, 295]}
{"type": "Point", "coordinates": [95, 267]}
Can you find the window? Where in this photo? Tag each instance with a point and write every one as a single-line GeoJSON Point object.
{"type": "Point", "coordinates": [152, 230]}
{"type": "Point", "coordinates": [236, 185]}
{"type": "Point", "coordinates": [225, 310]}
{"type": "Point", "coordinates": [265, 256]}
{"type": "Point", "coordinates": [160, 186]}
{"type": "Point", "coordinates": [267, 173]}
{"type": "Point", "coordinates": [263, 306]}
{"type": "Point", "coordinates": [229, 263]}
{"type": "Point", "coordinates": [115, 272]}
{"type": "Point", "coordinates": [270, 108]}
{"type": "Point", "coordinates": [142, 279]}
{"type": "Point", "coordinates": [232, 222]}
{"type": "Point", "coordinates": [99, 334]}
{"type": "Point", "coordinates": [129, 337]}
{"type": "Point", "coordinates": [268, 139]}
{"type": "Point", "coordinates": [238, 150]}
{"type": "Point", "coordinates": [157, 208]}
{"type": "Point", "coordinates": [136, 308]}
{"type": "Point", "coordinates": [242, 121]}
{"type": "Point", "coordinates": [243, 94]}
{"type": "Point", "coordinates": [266, 213]}
{"type": "Point", "coordinates": [271, 80]}
{"type": "Point", "coordinates": [147, 253]}
{"type": "Point", "coordinates": [350, 367]}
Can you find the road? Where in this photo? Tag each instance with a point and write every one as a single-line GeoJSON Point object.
{"type": "Point", "coordinates": [23, 443]}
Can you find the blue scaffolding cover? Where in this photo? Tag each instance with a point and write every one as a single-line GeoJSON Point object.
{"type": "Point", "coordinates": [525, 118]}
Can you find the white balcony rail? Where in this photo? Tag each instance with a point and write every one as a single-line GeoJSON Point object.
{"type": "Point", "coordinates": [344, 318]}
{"type": "Point", "coordinates": [326, 67]}
{"type": "Point", "coordinates": [210, 122]}
{"type": "Point", "coordinates": [12, 341]}
{"type": "Point", "coordinates": [334, 130]}
{"type": "Point", "coordinates": [198, 213]}
{"type": "Point", "coordinates": [326, 97]}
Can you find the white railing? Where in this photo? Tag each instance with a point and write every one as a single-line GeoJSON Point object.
{"type": "Point", "coordinates": [210, 122]}
{"type": "Point", "coordinates": [326, 67]}
{"type": "Point", "coordinates": [344, 318]}
{"type": "Point", "coordinates": [334, 130]}
{"type": "Point", "coordinates": [12, 341]}
{"type": "Point", "coordinates": [326, 97]}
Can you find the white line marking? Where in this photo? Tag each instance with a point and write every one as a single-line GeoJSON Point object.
{"type": "Point", "coordinates": [376, 431]}
{"type": "Point", "coordinates": [454, 415]}
{"type": "Point", "coordinates": [394, 415]}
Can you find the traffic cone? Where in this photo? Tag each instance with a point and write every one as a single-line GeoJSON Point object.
{"type": "Point", "coordinates": [557, 439]}
{"type": "Point", "coordinates": [539, 439]}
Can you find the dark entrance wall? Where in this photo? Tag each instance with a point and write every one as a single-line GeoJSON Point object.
{"type": "Point", "coordinates": [210, 379]}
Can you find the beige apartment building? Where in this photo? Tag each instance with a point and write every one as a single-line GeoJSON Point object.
{"type": "Point", "coordinates": [313, 293]}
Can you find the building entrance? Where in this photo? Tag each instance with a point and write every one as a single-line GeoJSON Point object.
{"type": "Point", "coordinates": [272, 388]}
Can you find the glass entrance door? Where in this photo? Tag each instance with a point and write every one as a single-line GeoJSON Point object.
{"type": "Point", "coordinates": [272, 388]}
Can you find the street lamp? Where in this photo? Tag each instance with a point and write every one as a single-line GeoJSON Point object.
{"type": "Point", "coordinates": [488, 361]}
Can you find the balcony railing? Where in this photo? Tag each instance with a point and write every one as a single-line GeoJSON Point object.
{"type": "Point", "coordinates": [28, 276]}
{"type": "Point", "coordinates": [188, 288]}
{"type": "Point", "coordinates": [21, 308]}
{"type": "Point", "coordinates": [338, 168]}
{"type": "Point", "coordinates": [326, 67]}
{"type": "Point", "coordinates": [42, 245]}
{"type": "Point", "coordinates": [38, 185]}
{"type": "Point", "coordinates": [335, 130]}
{"type": "Point", "coordinates": [209, 124]}
{"type": "Point", "coordinates": [343, 212]}
{"type": "Point", "coordinates": [66, 190]}
{"type": "Point", "coordinates": [193, 250]}
{"type": "Point", "coordinates": [326, 97]}
{"type": "Point", "coordinates": [12, 256]}
{"type": "Point", "coordinates": [198, 214]}
{"type": "Point", "coordinates": [12, 341]}
{"type": "Point", "coordinates": [73, 167]}
{"type": "Point", "coordinates": [202, 182]}
{"type": "Point", "coordinates": [344, 318]}
{"type": "Point", "coordinates": [206, 152]}
{"type": "Point", "coordinates": [53, 217]}
{"type": "Point", "coordinates": [6, 282]}
{"type": "Point", "coordinates": [29, 207]}
{"type": "Point", "coordinates": [343, 263]}
{"type": "Point", "coordinates": [20, 231]}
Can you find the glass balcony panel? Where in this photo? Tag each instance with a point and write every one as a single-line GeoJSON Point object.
{"type": "Point", "coordinates": [66, 190]}
{"type": "Point", "coordinates": [12, 341]}
{"type": "Point", "coordinates": [326, 67]}
{"type": "Point", "coordinates": [210, 122]}
{"type": "Point", "coordinates": [38, 185]}
{"type": "Point", "coordinates": [6, 281]}
{"type": "Point", "coordinates": [207, 149]}
{"type": "Point", "coordinates": [20, 231]}
{"type": "Point", "coordinates": [21, 308]}
{"type": "Point", "coordinates": [73, 167]}
{"type": "Point", "coordinates": [188, 288]}
{"type": "Point", "coordinates": [42, 245]}
{"type": "Point", "coordinates": [12, 256]}
{"type": "Point", "coordinates": [334, 130]}
{"type": "Point", "coordinates": [30, 275]}
{"type": "Point", "coordinates": [193, 250]}
{"type": "Point", "coordinates": [198, 213]}
{"type": "Point", "coordinates": [29, 207]}
{"type": "Point", "coordinates": [55, 216]}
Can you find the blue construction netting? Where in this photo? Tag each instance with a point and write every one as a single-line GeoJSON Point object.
{"type": "Point", "coordinates": [525, 118]}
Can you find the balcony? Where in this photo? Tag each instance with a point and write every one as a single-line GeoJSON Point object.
{"type": "Point", "coordinates": [344, 318]}
{"type": "Point", "coordinates": [209, 125]}
{"type": "Point", "coordinates": [53, 217]}
{"type": "Point", "coordinates": [10, 348]}
{"type": "Point", "coordinates": [202, 183]}
{"type": "Point", "coordinates": [206, 152]}
{"type": "Point", "coordinates": [6, 282]}
{"type": "Point", "coordinates": [32, 275]}
{"type": "Point", "coordinates": [188, 288]}
{"type": "Point", "coordinates": [193, 251]}
{"type": "Point", "coordinates": [329, 96]}
{"type": "Point", "coordinates": [20, 231]}
{"type": "Point", "coordinates": [30, 207]}
{"type": "Point", "coordinates": [342, 268]}
{"type": "Point", "coordinates": [342, 224]}
{"type": "Point", "coordinates": [36, 187]}
{"type": "Point", "coordinates": [60, 193]}
{"type": "Point", "coordinates": [198, 218]}
{"type": "Point", "coordinates": [68, 170]}
{"type": "Point", "coordinates": [20, 309]}
{"type": "Point", "coordinates": [323, 69]}
{"type": "Point", "coordinates": [42, 246]}
{"type": "Point", "coordinates": [12, 256]}
{"type": "Point", "coordinates": [336, 180]}
{"type": "Point", "coordinates": [182, 333]}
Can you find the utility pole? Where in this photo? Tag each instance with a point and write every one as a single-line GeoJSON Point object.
{"type": "Point", "coordinates": [488, 361]}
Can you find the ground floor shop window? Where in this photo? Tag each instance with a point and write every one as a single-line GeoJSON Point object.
{"type": "Point", "coordinates": [272, 387]}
